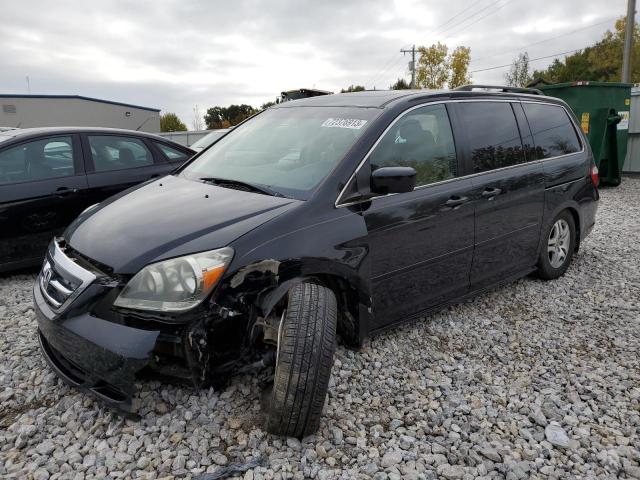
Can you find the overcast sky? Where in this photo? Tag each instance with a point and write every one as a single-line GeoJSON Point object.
{"type": "Point", "coordinates": [173, 55]}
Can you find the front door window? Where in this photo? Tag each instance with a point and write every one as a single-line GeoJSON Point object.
{"type": "Point", "coordinates": [423, 140]}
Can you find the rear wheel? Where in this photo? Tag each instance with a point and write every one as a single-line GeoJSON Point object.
{"type": "Point", "coordinates": [306, 344]}
{"type": "Point", "coordinates": [557, 250]}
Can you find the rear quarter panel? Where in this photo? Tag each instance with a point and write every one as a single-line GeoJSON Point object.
{"type": "Point", "coordinates": [569, 186]}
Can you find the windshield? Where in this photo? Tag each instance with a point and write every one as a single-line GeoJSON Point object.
{"type": "Point", "coordinates": [288, 150]}
{"type": "Point", "coordinates": [208, 139]}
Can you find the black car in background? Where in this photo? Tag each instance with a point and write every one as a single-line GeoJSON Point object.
{"type": "Point", "coordinates": [48, 176]}
{"type": "Point", "coordinates": [335, 215]}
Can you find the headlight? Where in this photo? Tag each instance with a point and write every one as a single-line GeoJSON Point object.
{"type": "Point", "coordinates": [175, 285]}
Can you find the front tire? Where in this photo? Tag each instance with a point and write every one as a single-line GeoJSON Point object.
{"type": "Point", "coordinates": [558, 247]}
{"type": "Point", "coordinates": [306, 344]}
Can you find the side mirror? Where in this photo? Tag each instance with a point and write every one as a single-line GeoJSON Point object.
{"type": "Point", "coordinates": [393, 180]}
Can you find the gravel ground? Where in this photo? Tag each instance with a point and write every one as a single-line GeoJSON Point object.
{"type": "Point", "coordinates": [532, 380]}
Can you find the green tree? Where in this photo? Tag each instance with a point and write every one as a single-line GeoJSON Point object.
{"type": "Point", "coordinates": [353, 88]}
{"type": "Point", "coordinates": [459, 62]}
{"type": "Point", "coordinates": [266, 105]}
{"type": "Point", "coordinates": [225, 117]}
{"type": "Point", "coordinates": [401, 84]}
{"type": "Point", "coordinates": [518, 75]}
{"type": "Point", "coordinates": [169, 122]}
{"type": "Point", "coordinates": [601, 61]}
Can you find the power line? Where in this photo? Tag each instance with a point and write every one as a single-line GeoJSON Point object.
{"type": "Point", "coordinates": [500, 7]}
{"type": "Point", "coordinates": [469, 17]}
{"type": "Point", "coordinates": [432, 31]}
{"type": "Point", "coordinates": [393, 60]}
{"type": "Point", "coordinates": [530, 60]}
{"type": "Point", "coordinates": [455, 25]}
{"type": "Point", "coordinates": [392, 66]}
{"type": "Point", "coordinates": [543, 41]}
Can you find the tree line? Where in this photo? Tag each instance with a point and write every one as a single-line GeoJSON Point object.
{"type": "Point", "coordinates": [600, 62]}
{"type": "Point", "coordinates": [214, 117]}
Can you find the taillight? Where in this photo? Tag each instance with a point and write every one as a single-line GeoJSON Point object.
{"type": "Point", "coordinates": [595, 179]}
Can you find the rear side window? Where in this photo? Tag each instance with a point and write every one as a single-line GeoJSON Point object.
{"type": "Point", "coordinates": [422, 139]}
{"type": "Point", "coordinates": [172, 154]}
{"type": "Point", "coordinates": [37, 160]}
{"type": "Point", "coordinates": [110, 152]}
{"type": "Point", "coordinates": [552, 129]}
{"type": "Point", "coordinates": [492, 133]}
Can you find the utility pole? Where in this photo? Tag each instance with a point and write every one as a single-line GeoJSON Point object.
{"type": "Point", "coordinates": [628, 41]}
{"type": "Point", "coordinates": [412, 63]}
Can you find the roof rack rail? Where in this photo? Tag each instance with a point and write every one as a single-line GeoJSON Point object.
{"type": "Point", "coordinates": [502, 88]}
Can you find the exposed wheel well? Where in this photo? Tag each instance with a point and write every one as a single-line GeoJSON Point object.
{"type": "Point", "coordinates": [576, 220]}
{"type": "Point", "coordinates": [348, 299]}
{"type": "Point", "coordinates": [347, 296]}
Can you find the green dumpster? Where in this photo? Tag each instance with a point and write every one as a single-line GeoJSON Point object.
{"type": "Point", "coordinates": [602, 109]}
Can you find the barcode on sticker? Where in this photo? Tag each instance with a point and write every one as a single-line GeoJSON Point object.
{"type": "Point", "coordinates": [354, 123]}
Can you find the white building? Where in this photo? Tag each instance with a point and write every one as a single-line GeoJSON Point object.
{"type": "Point", "coordinates": [27, 111]}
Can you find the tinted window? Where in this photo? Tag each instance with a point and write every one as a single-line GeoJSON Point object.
{"type": "Point", "coordinates": [114, 153]}
{"type": "Point", "coordinates": [492, 135]}
{"type": "Point", "coordinates": [172, 154]}
{"type": "Point", "coordinates": [553, 132]}
{"type": "Point", "coordinates": [37, 160]}
{"type": "Point", "coordinates": [422, 139]}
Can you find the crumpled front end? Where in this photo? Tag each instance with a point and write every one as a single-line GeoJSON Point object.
{"type": "Point", "coordinates": [94, 347]}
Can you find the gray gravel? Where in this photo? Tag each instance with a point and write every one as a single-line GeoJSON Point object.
{"type": "Point", "coordinates": [532, 380]}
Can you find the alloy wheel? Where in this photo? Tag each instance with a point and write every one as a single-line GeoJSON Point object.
{"type": "Point", "coordinates": [559, 243]}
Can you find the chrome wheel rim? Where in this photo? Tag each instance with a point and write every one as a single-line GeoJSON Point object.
{"type": "Point", "coordinates": [558, 243]}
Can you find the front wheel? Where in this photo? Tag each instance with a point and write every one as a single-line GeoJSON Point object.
{"type": "Point", "coordinates": [558, 247]}
{"type": "Point", "coordinates": [306, 344]}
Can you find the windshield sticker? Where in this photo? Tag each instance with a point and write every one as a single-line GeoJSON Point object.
{"type": "Point", "coordinates": [353, 123]}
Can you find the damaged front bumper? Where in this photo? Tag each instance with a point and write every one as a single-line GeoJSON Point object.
{"type": "Point", "coordinates": [95, 355]}
{"type": "Point", "coordinates": [93, 347]}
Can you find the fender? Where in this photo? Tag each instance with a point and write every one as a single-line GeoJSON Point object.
{"type": "Point", "coordinates": [254, 290]}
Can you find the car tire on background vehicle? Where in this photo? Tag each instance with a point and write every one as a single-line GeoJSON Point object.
{"type": "Point", "coordinates": [558, 245]}
{"type": "Point", "coordinates": [306, 344]}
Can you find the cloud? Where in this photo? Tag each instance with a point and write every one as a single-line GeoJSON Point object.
{"type": "Point", "coordinates": [173, 54]}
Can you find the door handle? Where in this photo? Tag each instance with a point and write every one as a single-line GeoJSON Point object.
{"type": "Point", "coordinates": [65, 191]}
{"type": "Point", "coordinates": [491, 192]}
{"type": "Point", "coordinates": [456, 201]}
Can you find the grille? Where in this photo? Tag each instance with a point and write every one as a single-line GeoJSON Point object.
{"type": "Point", "coordinates": [55, 287]}
{"type": "Point", "coordinates": [62, 279]}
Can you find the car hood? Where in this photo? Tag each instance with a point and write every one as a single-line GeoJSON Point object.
{"type": "Point", "coordinates": [167, 218]}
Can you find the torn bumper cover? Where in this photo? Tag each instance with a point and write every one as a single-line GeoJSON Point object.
{"type": "Point", "coordinates": [92, 354]}
{"type": "Point", "coordinates": [94, 347]}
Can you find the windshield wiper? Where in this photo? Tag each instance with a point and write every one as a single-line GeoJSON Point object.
{"type": "Point", "coordinates": [237, 184]}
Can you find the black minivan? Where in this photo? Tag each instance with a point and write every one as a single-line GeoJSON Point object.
{"type": "Point", "coordinates": [48, 176]}
{"type": "Point", "coordinates": [338, 215]}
